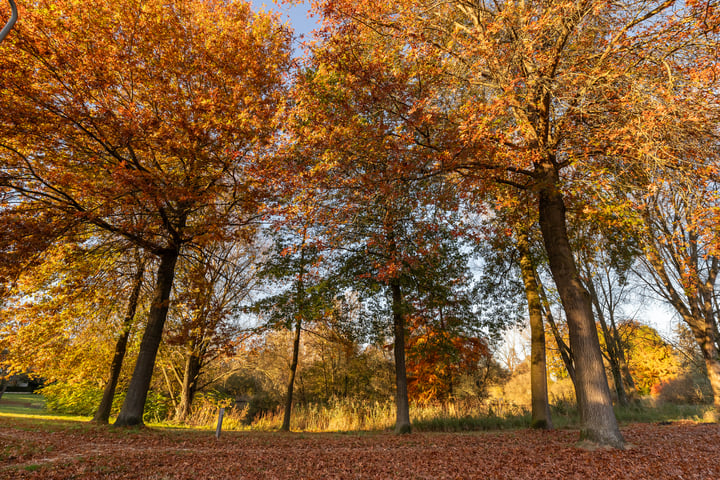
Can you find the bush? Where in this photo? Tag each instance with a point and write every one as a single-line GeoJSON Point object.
{"type": "Point", "coordinates": [684, 389]}
{"type": "Point", "coordinates": [72, 398]}
{"type": "Point", "coordinates": [157, 407]}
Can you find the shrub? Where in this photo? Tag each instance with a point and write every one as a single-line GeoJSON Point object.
{"type": "Point", "coordinates": [157, 407]}
{"type": "Point", "coordinates": [684, 389]}
{"type": "Point", "coordinates": [72, 398]}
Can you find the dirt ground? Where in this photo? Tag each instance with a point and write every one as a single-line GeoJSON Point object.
{"type": "Point", "coordinates": [67, 450]}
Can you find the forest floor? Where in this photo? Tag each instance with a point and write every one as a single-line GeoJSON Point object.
{"type": "Point", "coordinates": [31, 448]}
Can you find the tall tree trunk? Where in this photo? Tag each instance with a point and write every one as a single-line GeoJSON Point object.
{"type": "Point", "coordinates": [102, 415]}
{"type": "Point", "coordinates": [300, 305]}
{"type": "Point", "coordinates": [538, 365]}
{"type": "Point", "coordinates": [293, 369]}
{"type": "Point", "coordinates": [697, 310]}
{"type": "Point", "coordinates": [132, 409]}
{"type": "Point", "coordinates": [592, 391]}
{"type": "Point", "coordinates": [402, 405]}
{"type": "Point", "coordinates": [193, 365]}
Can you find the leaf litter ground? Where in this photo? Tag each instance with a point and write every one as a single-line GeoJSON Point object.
{"type": "Point", "coordinates": [77, 451]}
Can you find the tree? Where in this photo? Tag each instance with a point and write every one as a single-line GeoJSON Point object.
{"type": "Point", "coordinates": [144, 119]}
{"type": "Point", "coordinates": [605, 256]}
{"type": "Point", "coordinates": [516, 234]}
{"type": "Point", "coordinates": [358, 128]}
{"type": "Point", "coordinates": [538, 364]}
{"type": "Point", "coordinates": [294, 263]}
{"type": "Point", "coordinates": [651, 359]}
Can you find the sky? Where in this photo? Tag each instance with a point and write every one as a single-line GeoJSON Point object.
{"type": "Point", "coordinates": [296, 15]}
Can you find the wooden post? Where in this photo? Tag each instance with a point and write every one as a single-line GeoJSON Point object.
{"type": "Point", "coordinates": [221, 413]}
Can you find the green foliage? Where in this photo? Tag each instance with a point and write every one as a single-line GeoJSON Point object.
{"type": "Point", "coordinates": [84, 398]}
{"type": "Point", "coordinates": [653, 412]}
{"type": "Point", "coordinates": [157, 407]}
{"type": "Point", "coordinates": [72, 398]}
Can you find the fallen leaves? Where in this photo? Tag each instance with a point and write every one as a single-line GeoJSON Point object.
{"type": "Point", "coordinates": [688, 451]}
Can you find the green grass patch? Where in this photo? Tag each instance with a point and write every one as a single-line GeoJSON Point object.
{"type": "Point", "coordinates": [22, 403]}
{"type": "Point", "coordinates": [647, 412]}
{"type": "Point", "coordinates": [471, 423]}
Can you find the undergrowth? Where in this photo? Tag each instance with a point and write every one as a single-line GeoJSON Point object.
{"type": "Point", "coordinates": [347, 415]}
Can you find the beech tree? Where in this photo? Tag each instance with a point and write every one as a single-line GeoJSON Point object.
{"type": "Point", "coordinates": [144, 119]}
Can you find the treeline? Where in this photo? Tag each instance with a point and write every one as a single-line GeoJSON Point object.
{"type": "Point", "coordinates": [174, 185]}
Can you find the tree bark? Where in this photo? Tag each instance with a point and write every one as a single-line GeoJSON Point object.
{"type": "Point", "coordinates": [706, 339]}
{"type": "Point", "coordinates": [598, 422]}
{"type": "Point", "coordinates": [102, 415]}
{"type": "Point", "coordinates": [538, 366]}
{"type": "Point", "coordinates": [300, 306]}
{"type": "Point", "coordinates": [402, 405]}
{"type": "Point", "coordinates": [132, 409]}
{"type": "Point", "coordinates": [193, 365]}
{"type": "Point", "coordinates": [291, 381]}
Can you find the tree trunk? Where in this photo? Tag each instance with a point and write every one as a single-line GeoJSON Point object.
{"type": "Point", "coordinates": [402, 405]}
{"type": "Point", "coordinates": [538, 366]}
{"type": "Point", "coordinates": [193, 365]}
{"type": "Point", "coordinates": [291, 381]}
{"type": "Point", "coordinates": [706, 339]}
{"type": "Point", "coordinates": [598, 422]}
{"type": "Point", "coordinates": [300, 306]}
{"type": "Point", "coordinates": [102, 415]}
{"type": "Point", "coordinates": [132, 409]}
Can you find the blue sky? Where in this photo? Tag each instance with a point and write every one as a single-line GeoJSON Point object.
{"type": "Point", "coordinates": [297, 15]}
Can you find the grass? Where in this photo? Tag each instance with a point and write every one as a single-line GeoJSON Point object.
{"type": "Point", "coordinates": [649, 411]}
{"type": "Point", "coordinates": [343, 416]}
{"type": "Point", "coordinates": [355, 416]}
{"type": "Point", "coordinates": [30, 405]}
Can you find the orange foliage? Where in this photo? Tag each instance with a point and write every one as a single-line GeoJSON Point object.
{"type": "Point", "coordinates": [437, 359]}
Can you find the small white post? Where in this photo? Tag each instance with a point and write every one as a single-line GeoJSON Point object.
{"type": "Point", "coordinates": [221, 413]}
